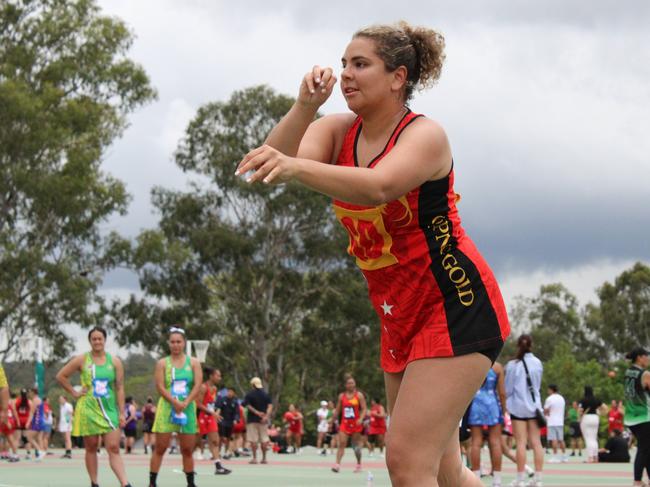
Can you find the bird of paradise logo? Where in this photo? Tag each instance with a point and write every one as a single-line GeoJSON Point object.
{"type": "Point", "coordinates": [370, 242]}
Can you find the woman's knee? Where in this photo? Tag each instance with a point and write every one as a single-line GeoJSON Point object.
{"type": "Point", "coordinates": [91, 443]}
{"type": "Point", "coordinates": [113, 449]}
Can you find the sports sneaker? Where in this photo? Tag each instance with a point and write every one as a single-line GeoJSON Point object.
{"type": "Point", "coordinates": [336, 468]}
{"type": "Point", "coordinates": [357, 469]}
{"type": "Point", "coordinates": [13, 459]}
{"type": "Point", "coordinates": [535, 483]}
{"type": "Point", "coordinates": [221, 470]}
{"type": "Point", "coordinates": [554, 460]}
{"type": "Point", "coordinates": [529, 470]}
{"type": "Point", "coordinates": [518, 483]}
{"type": "Point", "coordinates": [198, 455]}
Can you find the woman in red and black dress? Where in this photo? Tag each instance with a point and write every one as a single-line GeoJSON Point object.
{"type": "Point", "coordinates": [391, 176]}
{"type": "Point", "coordinates": [351, 409]}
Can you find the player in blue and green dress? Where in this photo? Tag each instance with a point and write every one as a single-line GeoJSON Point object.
{"type": "Point", "coordinates": [100, 403]}
{"type": "Point", "coordinates": [178, 380]}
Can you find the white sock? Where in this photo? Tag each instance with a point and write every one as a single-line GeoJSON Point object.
{"type": "Point", "coordinates": [521, 476]}
{"type": "Point", "coordinates": [477, 473]}
{"type": "Point", "coordinates": [538, 476]}
{"type": "Point", "coordinates": [496, 478]}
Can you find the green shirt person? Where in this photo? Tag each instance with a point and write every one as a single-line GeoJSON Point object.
{"type": "Point", "coordinates": [178, 380]}
{"type": "Point", "coordinates": [100, 403]}
{"type": "Point", "coordinates": [637, 408]}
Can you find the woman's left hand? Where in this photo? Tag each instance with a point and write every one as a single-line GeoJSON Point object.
{"type": "Point", "coordinates": [122, 421]}
{"type": "Point", "coordinates": [269, 165]}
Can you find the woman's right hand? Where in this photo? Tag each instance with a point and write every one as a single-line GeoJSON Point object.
{"type": "Point", "coordinates": [316, 87]}
{"type": "Point", "coordinates": [178, 406]}
{"type": "Point", "coordinates": [79, 393]}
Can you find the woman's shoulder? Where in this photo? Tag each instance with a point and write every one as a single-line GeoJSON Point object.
{"type": "Point", "coordinates": [423, 127]}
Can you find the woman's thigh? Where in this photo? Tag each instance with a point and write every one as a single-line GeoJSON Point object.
{"type": "Point", "coordinates": [431, 399]}
{"type": "Point", "coordinates": [533, 433]}
{"type": "Point", "coordinates": [112, 440]}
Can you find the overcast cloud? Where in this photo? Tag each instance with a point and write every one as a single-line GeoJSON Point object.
{"type": "Point", "coordinates": [547, 107]}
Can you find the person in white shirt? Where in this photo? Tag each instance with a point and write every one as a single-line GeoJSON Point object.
{"type": "Point", "coordinates": [523, 403]}
{"type": "Point", "coordinates": [554, 411]}
{"type": "Point", "coordinates": [323, 415]}
{"type": "Point", "coordinates": [65, 424]}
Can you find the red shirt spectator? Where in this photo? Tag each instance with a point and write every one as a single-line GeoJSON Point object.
{"type": "Point", "coordinates": [615, 417]}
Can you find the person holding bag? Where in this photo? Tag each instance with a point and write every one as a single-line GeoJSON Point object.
{"type": "Point", "coordinates": [523, 382]}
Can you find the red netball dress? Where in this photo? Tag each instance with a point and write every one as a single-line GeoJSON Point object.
{"type": "Point", "coordinates": [350, 414]}
{"type": "Point", "coordinates": [434, 293]}
{"type": "Point", "coordinates": [207, 422]}
{"type": "Point", "coordinates": [294, 421]}
{"type": "Point", "coordinates": [377, 425]}
{"type": "Point", "coordinates": [22, 408]}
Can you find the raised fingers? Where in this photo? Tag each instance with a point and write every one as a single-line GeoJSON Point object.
{"type": "Point", "coordinates": [245, 165]}
{"type": "Point", "coordinates": [326, 76]}
{"type": "Point", "coordinates": [309, 82]}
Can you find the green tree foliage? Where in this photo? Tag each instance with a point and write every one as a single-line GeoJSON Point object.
{"type": "Point", "coordinates": [621, 321]}
{"type": "Point", "coordinates": [259, 270]}
{"type": "Point", "coordinates": [66, 88]}
{"type": "Point", "coordinates": [552, 317]}
{"type": "Point", "coordinates": [571, 375]}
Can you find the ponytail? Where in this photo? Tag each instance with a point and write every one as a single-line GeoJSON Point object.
{"type": "Point", "coordinates": [524, 346]}
{"type": "Point", "coordinates": [419, 49]}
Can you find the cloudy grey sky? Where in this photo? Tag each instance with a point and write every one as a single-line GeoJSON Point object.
{"type": "Point", "coordinates": [547, 108]}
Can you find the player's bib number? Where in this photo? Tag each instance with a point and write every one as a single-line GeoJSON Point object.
{"type": "Point", "coordinates": [100, 387]}
{"type": "Point", "coordinates": [348, 413]}
{"type": "Point", "coordinates": [179, 388]}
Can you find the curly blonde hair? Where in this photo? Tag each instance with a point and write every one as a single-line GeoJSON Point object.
{"type": "Point", "coordinates": [419, 49]}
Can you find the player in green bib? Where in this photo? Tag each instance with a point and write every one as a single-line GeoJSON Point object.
{"type": "Point", "coordinates": [637, 409]}
{"type": "Point", "coordinates": [178, 380]}
{"type": "Point", "coordinates": [100, 403]}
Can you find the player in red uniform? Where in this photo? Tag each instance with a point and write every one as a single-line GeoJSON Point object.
{"type": "Point", "coordinates": [615, 418]}
{"type": "Point", "coordinates": [293, 419]}
{"type": "Point", "coordinates": [377, 428]}
{"type": "Point", "coordinates": [208, 418]}
{"type": "Point", "coordinates": [391, 176]}
{"type": "Point", "coordinates": [8, 429]}
{"type": "Point", "coordinates": [351, 409]}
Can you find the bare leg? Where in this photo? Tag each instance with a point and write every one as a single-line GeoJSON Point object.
{"type": "Point", "coordinates": [421, 452]}
{"type": "Point", "coordinates": [90, 445]}
{"type": "Point", "coordinates": [494, 441]}
{"type": "Point", "coordinates": [536, 445]}
{"type": "Point", "coordinates": [213, 442]}
{"type": "Point", "coordinates": [343, 443]}
{"type": "Point", "coordinates": [68, 441]}
{"type": "Point", "coordinates": [475, 448]}
{"type": "Point", "coordinates": [112, 446]}
{"type": "Point", "coordinates": [160, 447]}
{"type": "Point", "coordinates": [520, 432]}
{"type": "Point", "coordinates": [506, 449]}
{"type": "Point", "coordinates": [187, 444]}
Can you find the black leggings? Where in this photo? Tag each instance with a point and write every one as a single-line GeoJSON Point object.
{"type": "Point", "coordinates": [642, 460]}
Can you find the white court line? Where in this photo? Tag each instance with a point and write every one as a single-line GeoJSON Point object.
{"type": "Point", "coordinates": [175, 471]}
{"type": "Point", "coordinates": [12, 485]}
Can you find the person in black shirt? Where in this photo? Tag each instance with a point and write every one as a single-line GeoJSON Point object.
{"type": "Point", "coordinates": [589, 409]}
{"type": "Point", "coordinates": [228, 408]}
{"type": "Point", "coordinates": [616, 449]}
{"type": "Point", "coordinates": [259, 406]}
